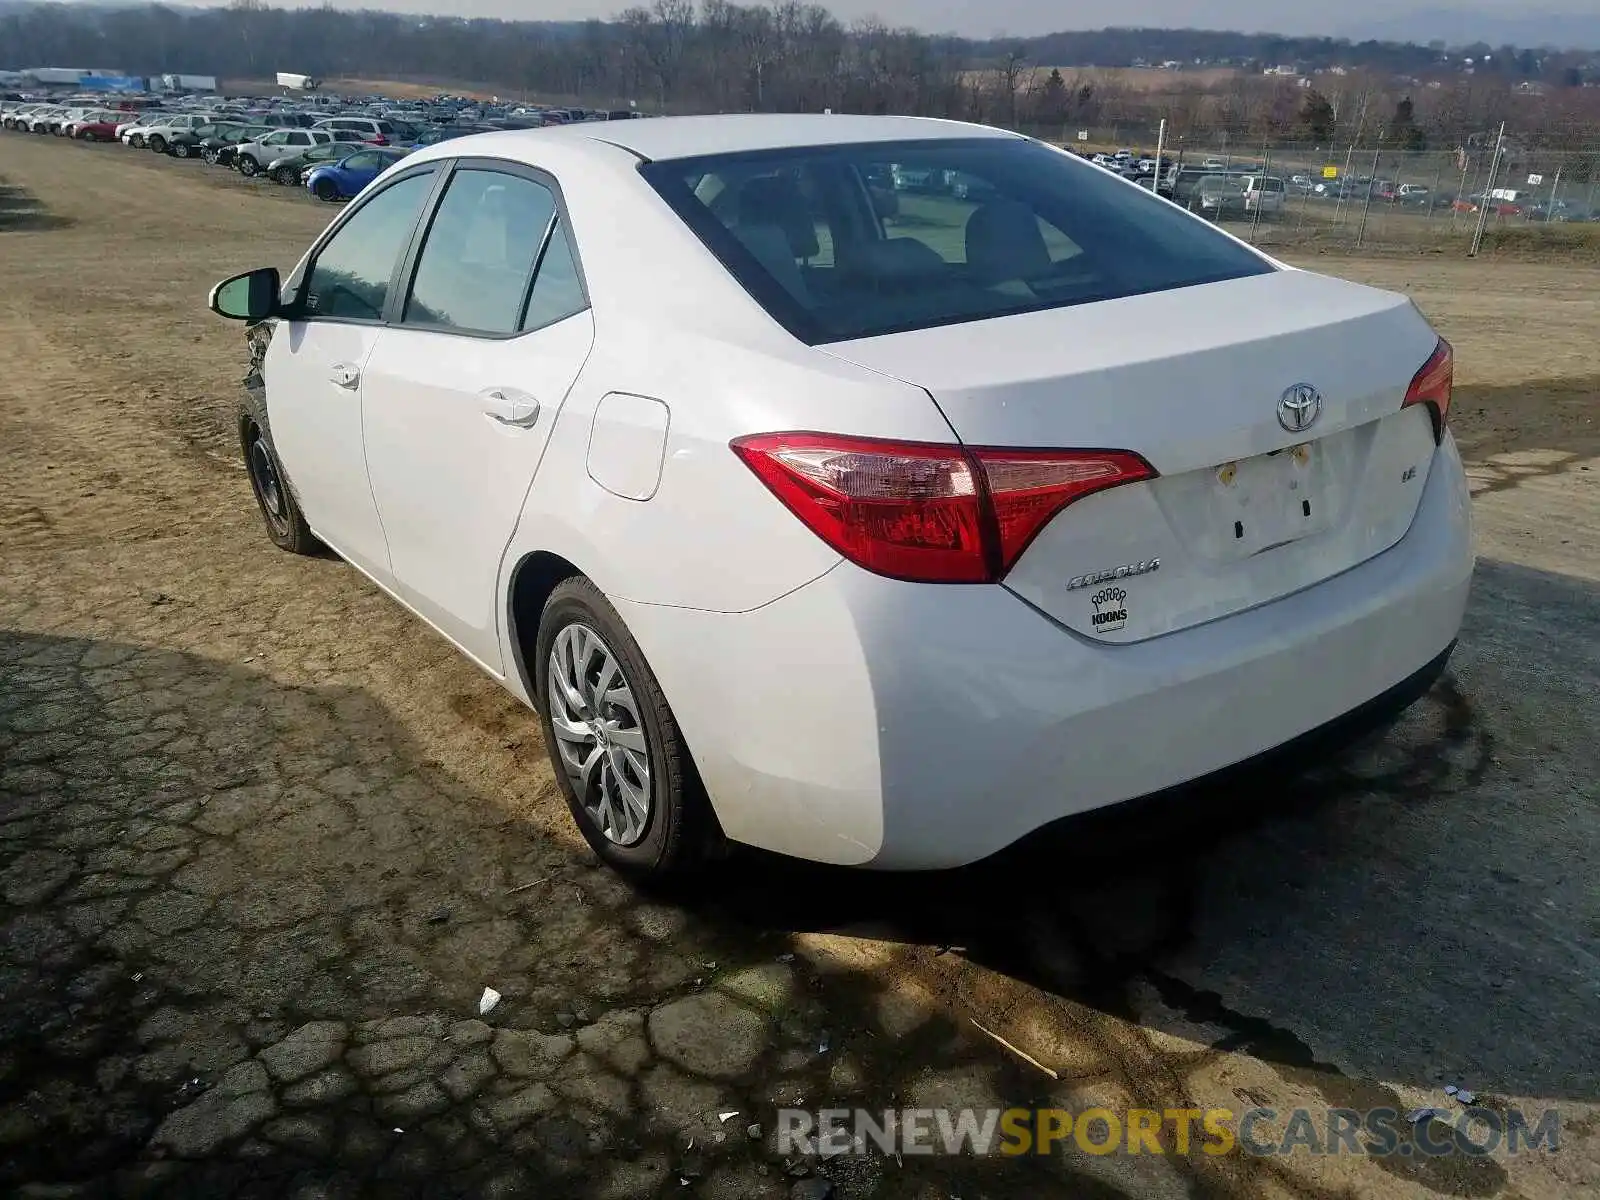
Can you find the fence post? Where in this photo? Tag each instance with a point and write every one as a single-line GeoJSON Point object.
{"type": "Point", "coordinates": [1344, 179]}
{"type": "Point", "coordinates": [1550, 213]}
{"type": "Point", "coordinates": [1261, 192]}
{"type": "Point", "coordinates": [1305, 199]}
{"type": "Point", "coordinates": [1161, 145]}
{"type": "Point", "coordinates": [1483, 208]}
{"type": "Point", "coordinates": [1366, 208]}
{"type": "Point", "coordinates": [1433, 195]}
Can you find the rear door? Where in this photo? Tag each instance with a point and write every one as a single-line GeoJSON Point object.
{"type": "Point", "coordinates": [461, 393]}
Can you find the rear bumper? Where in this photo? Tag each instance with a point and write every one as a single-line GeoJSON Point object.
{"type": "Point", "coordinates": [860, 720]}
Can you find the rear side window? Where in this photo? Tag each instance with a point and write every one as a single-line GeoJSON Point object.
{"type": "Point", "coordinates": [350, 276]}
{"type": "Point", "coordinates": [480, 253]}
{"type": "Point", "coordinates": [557, 290]}
{"type": "Point", "coordinates": [495, 260]}
{"type": "Point", "coordinates": [851, 241]}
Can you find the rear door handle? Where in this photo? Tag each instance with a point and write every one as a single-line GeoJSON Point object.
{"type": "Point", "coordinates": [511, 408]}
{"type": "Point", "coordinates": [345, 375]}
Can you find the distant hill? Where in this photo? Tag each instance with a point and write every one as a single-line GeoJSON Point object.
{"type": "Point", "coordinates": [1508, 27]}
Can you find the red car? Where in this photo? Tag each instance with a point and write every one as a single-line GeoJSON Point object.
{"type": "Point", "coordinates": [99, 131]}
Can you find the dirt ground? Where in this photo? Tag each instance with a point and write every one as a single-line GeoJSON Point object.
{"type": "Point", "coordinates": [265, 839]}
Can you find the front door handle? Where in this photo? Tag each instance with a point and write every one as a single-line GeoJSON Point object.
{"type": "Point", "coordinates": [521, 412]}
{"type": "Point", "coordinates": [345, 375]}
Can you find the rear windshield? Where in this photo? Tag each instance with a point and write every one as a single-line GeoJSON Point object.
{"type": "Point", "coordinates": [842, 242]}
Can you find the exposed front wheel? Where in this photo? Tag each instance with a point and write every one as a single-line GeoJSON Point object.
{"type": "Point", "coordinates": [181, 150]}
{"type": "Point", "coordinates": [617, 750]}
{"type": "Point", "coordinates": [326, 189]}
{"type": "Point", "coordinates": [136, 141]}
{"type": "Point", "coordinates": [248, 166]}
{"type": "Point", "coordinates": [158, 144]}
{"type": "Point", "coordinates": [287, 176]}
{"type": "Point", "coordinates": [286, 525]}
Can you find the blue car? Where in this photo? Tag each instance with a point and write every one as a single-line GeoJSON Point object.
{"type": "Point", "coordinates": [343, 179]}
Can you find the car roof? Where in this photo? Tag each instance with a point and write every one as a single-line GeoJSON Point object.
{"type": "Point", "coordinates": [689, 137]}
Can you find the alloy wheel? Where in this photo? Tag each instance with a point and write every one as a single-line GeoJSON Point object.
{"type": "Point", "coordinates": [599, 735]}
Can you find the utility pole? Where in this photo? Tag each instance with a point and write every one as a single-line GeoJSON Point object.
{"type": "Point", "coordinates": [1161, 145]}
{"type": "Point", "coordinates": [1483, 208]}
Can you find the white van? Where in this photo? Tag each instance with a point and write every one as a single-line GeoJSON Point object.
{"type": "Point", "coordinates": [1265, 193]}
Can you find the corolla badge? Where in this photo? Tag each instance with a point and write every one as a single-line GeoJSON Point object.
{"type": "Point", "coordinates": [1299, 407]}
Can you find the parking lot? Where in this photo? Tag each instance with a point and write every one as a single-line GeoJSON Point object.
{"type": "Point", "coordinates": [265, 838]}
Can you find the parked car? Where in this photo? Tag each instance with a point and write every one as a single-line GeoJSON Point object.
{"type": "Point", "coordinates": [191, 143]}
{"type": "Point", "coordinates": [975, 608]}
{"type": "Point", "coordinates": [445, 133]}
{"type": "Point", "coordinates": [1265, 194]}
{"type": "Point", "coordinates": [227, 144]}
{"type": "Point", "coordinates": [160, 131]}
{"type": "Point", "coordinates": [131, 122]}
{"type": "Point", "coordinates": [916, 177]}
{"type": "Point", "coordinates": [965, 186]}
{"type": "Point", "coordinates": [1219, 196]}
{"type": "Point", "coordinates": [98, 126]}
{"type": "Point", "coordinates": [63, 124]}
{"type": "Point", "coordinates": [346, 177]}
{"type": "Point", "coordinates": [45, 120]}
{"type": "Point", "coordinates": [17, 117]}
{"type": "Point", "coordinates": [371, 129]}
{"type": "Point", "coordinates": [1412, 193]}
{"type": "Point", "coordinates": [253, 157]}
{"type": "Point", "coordinates": [291, 169]}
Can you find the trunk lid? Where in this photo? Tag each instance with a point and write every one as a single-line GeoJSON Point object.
{"type": "Point", "coordinates": [1244, 510]}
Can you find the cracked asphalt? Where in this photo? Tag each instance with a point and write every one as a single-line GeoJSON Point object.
{"type": "Point", "coordinates": [264, 839]}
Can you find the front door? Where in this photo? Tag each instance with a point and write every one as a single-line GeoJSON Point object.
{"type": "Point", "coordinates": [460, 395]}
{"type": "Point", "coordinates": [314, 370]}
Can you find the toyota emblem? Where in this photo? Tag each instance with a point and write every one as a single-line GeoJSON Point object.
{"type": "Point", "coordinates": [1299, 407]}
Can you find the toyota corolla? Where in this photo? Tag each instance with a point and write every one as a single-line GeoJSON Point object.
{"type": "Point", "coordinates": [872, 534]}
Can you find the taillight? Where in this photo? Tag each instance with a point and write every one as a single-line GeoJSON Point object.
{"type": "Point", "coordinates": [1433, 385]}
{"type": "Point", "coordinates": [929, 513]}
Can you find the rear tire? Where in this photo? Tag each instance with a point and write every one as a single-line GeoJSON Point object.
{"type": "Point", "coordinates": [620, 757]}
{"type": "Point", "coordinates": [286, 525]}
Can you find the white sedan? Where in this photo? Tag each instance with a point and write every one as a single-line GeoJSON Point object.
{"type": "Point", "coordinates": [875, 535]}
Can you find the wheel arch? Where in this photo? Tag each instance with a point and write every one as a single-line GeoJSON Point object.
{"type": "Point", "coordinates": [534, 577]}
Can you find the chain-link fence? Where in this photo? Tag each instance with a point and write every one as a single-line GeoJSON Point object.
{"type": "Point", "coordinates": [1489, 194]}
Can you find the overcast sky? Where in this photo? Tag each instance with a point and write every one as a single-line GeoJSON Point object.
{"type": "Point", "coordinates": [1021, 17]}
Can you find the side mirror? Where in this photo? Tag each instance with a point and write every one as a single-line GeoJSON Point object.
{"type": "Point", "coordinates": [252, 296]}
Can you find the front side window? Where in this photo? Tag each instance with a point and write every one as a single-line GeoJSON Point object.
{"type": "Point", "coordinates": [350, 275]}
{"type": "Point", "coordinates": [364, 161]}
{"type": "Point", "coordinates": [480, 253]}
{"type": "Point", "coordinates": [841, 242]}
